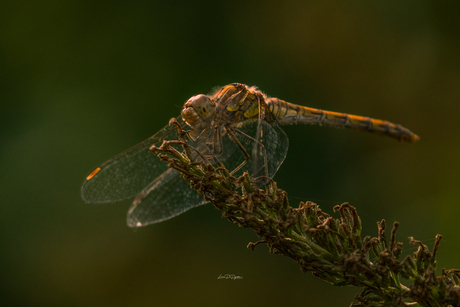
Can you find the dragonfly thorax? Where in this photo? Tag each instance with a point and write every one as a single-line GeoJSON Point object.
{"type": "Point", "coordinates": [199, 112]}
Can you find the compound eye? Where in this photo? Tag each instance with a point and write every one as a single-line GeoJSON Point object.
{"type": "Point", "coordinates": [203, 105]}
{"type": "Point", "coordinates": [199, 112]}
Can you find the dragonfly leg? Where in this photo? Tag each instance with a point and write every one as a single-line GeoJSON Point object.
{"type": "Point", "coordinates": [211, 146]}
{"type": "Point", "coordinates": [186, 144]}
{"type": "Point", "coordinates": [237, 142]}
{"type": "Point", "coordinates": [198, 136]}
{"type": "Point", "coordinates": [253, 140]}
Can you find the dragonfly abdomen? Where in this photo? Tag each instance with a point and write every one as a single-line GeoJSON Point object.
{"type": "Point", "coordinates": [289, 113]}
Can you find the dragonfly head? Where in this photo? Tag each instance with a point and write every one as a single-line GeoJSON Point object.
{"type": "Point", "coordinates": [199, 112]}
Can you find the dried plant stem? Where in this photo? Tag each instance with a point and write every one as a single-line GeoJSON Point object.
{"type": "Point", "coordinates": [331, 248]}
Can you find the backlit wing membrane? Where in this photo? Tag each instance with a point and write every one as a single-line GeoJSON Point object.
{"type": "Point", "coordinates": [128, 173]}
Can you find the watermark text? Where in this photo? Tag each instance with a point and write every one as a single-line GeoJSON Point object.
{"type": "Point", "coordinates": [230, 276]}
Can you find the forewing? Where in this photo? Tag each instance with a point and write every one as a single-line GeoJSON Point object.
{"type": "Point", "coordinates": [129, 172]}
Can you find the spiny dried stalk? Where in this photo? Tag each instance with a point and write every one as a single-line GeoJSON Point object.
{"type": "Point", "coordinates": [331, 248]}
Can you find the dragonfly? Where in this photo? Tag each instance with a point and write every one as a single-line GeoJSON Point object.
{"type": "Point", "coordinates": [237, 125]}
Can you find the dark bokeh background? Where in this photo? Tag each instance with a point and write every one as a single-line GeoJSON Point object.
{"type": "Point", "coordinates": [83, 80]}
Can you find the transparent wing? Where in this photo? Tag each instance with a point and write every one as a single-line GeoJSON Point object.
{"type": "Point", "coordinates": [161, 192]}
{"type": "Point", "coordinates": [129, 172]}
{"type": "Point", "coordinates": [276, 144]}
{"type": "Point", "coordinates": [167, 196]}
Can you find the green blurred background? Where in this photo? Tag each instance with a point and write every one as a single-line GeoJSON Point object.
{"type": "Point", "coordinates": [84, 80]}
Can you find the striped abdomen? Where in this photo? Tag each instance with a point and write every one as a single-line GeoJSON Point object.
{"type": "Point", "coordinates": [289, 113]}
